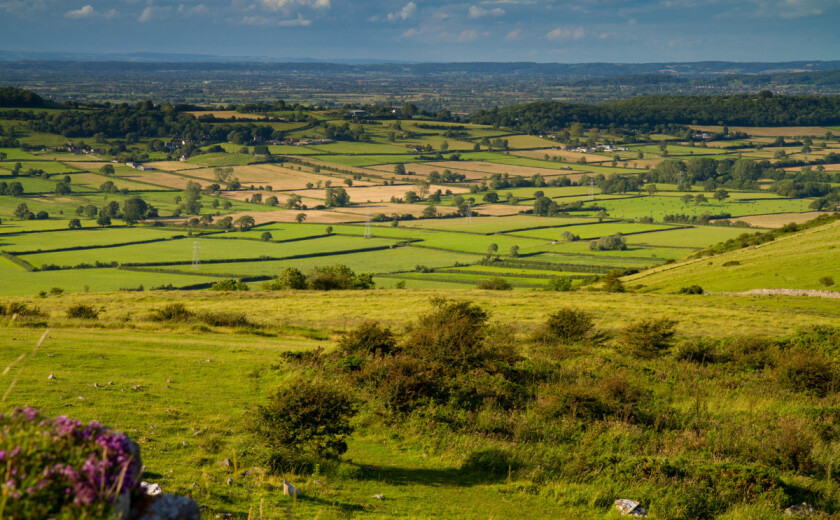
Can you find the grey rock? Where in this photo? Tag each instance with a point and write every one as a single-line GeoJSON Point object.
{"type": "Point", "coordinates": [289, 489]}
{"type": "Point", "coordinates": [379, 497]}
{"type": "Point", "coordinates": [151, 489]}
{"type": "Point", "coordinates": [630, 508]}
{"type": "Point", "coordinates": [226, 463]}
{"type": "Point", "coordinates": [172, 507]}
{"type": "Point", "coordinates": [229, 481]}
{"type": "Point", "coordinates": [803, 509]}
{"type": "Point", "coordinates": [50, 377]}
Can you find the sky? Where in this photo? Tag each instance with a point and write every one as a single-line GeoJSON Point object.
{"type": "Point", "coordinates": [561, 31]}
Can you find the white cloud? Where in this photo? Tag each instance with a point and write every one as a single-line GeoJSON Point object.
{"type": "Point", "coordinates": [277, 5]}
{"type": "Point", "coordinates": [85, 12]}
{"type": "Point", "coordinates": [110, 14]}
{"type": "Point", "coordinates": [196, 10]}
{"type": "Point", "coordinates": [152, 13]}
{"type": "Point", "coordinates": [408, 11]}
{"type": "Point", "coordinates": [264, 21]}
{"type": "Point", "coordinates": [513, 35]}
{"type": "Point", "coordinates": [480, 12]}
{"type": "Point", "coordinates": [563, 33]}
{"type": "Point", "coordinates": [467, 36]}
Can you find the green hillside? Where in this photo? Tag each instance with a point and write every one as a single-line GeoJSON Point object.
{"type": "Point", "coordinates": [797, 261]}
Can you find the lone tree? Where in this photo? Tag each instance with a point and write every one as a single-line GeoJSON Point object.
{"type": "Point", "coordinates": [300, 218]}
{"type": "Point", "coordinates": [721, 195]}
{"type": "Point", "coordinates": [244, 223]}
{"type": "Point", "coordinates": [700, 199]}
{"type": "Point", "coordinates": [74, 224]}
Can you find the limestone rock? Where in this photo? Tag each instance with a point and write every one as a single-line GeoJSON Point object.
{"type": "Point", "coordinates": [630, 508]}
{"type": "Point", "coordinates": [226, 463]}
{"type": "Point", "coordinates": [151, 489]}
{"type": "Point", "coordinates": [172, 507]}
{"type": "Point", "coordinates": [802, 509]}
{"type": "Point", "coordinates": [289, 489]}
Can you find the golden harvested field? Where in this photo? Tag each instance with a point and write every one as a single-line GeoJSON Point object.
{"type": "Point", "coordinates": [378, 193]}
{"type": "Point", "coordinates": [245, 196]}
{"type": "Point", "coordinates": [828, 168]}
{"type": "Point", "coordinates": [290, 215]}
{"type": "Point", "coordinates": [174, 166]}
{"type": "Point", "coordinates": [362, 210]}
{"type": "Point", "coordinates": [423, 170]}
{"type": "Point", "coordinates": [160, 178]}
{"type": "Point", "coordinates": [90, 166]}
{"type": "Point", "coordinates": [352, 169]}
{"type": "Point", "coordinates": [529, 141]}
{"type": "Point", "coordinates": [95, 180]}
{"type": "Point", "coordinates": [593, 158]}
{"type": "Point", "coordinates": [777, 220]}
{"type": "Point", "coordinates": [766, 131]}
{"type": "Point", "coordinates": [279, 178]}
{"type": "Point", "coordinates": [226, 114]}
{"type": "Point", "coordinates": [491, 168]}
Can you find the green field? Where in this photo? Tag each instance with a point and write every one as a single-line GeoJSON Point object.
{"type": "Point", "coordinates": [792, 262]}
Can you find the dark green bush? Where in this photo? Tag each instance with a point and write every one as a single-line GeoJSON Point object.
{"type": "Point", "coordinates": [569, 325]}
{"type": "Point", "coordinates": [453, 335]}
{"type": "Point", "coordinates": [305, 417]}
{"type": "Point", "coordinates": [752, 352]}
{"type": "Point", "coordinates": [698, 350]}
{"type": "Point", "coordinates": [648, 338]}
{"type": "Point", "coordinates": [84, 312]}
{"type": "Point", "coordinates": [495, 284]}
{"type": "Point", "coordinates": [806, 371]}
{"type": "Point", "coordinates": [368, 339]}
{"type": "Point", "coordinates": [172, 312]}
{"type": "Point", "coordinates": [693, 289]}
{"type": "Point", "coordinates": [495, 462]}
{"type": "Point", "coordinates": [224, 319]}
{"type": "Point", "coordinates": [230, 285]}
{"type": "Point", "coordinates": [20, 309]}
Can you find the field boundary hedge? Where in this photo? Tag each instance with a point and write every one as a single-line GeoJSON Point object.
{"type": "Point", "coordinates": [18, 261]}
{"type": "Point", "coordinates": [550, 266]}
{"type": "Point", "coordinates": [102, 246]}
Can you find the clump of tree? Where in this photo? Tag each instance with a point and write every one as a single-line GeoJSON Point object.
{"type": "Point", "coordinates": [609, 243]}
{"type": "Point", "coordinates": [336, 277]}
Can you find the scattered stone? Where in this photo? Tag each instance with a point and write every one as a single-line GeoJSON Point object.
{"type": "Point", "coordinates": [96, 385]}
{"type": "Point", "coordinates": [110, 383]}
{"type": "Point", "coordinates": [224, 515]}
{"type": "Point", "coordinates": [226, 463]}
{"type": "Point", "coordinates": [229, 481]}
{"type": "Point", "coordinates": [80, 397]}
{"type": "Point", "coordinates": [168, 380]}
{"type": "Point", "coordinates": [172, 507]}
{"type": "Point", "coordinates": [50, 377]}
{"type": "Point", "coordinates": [424, 454]}
{"type": "Point", "coordinates": [289, 489]}
{"type": "Point", "coordinates": [379, 497]}
{"type": "Point", "coordinates": [144, 440]}
{"type": "Point", "coordinates": [193, 485]}
{"type": "Point", "coordinates": [152, 427]}
{"type": "Point", "coordinates": [168, 387]}
{"type": "Point", "coordinates": [137, 388]}
{"type": "Point", "coordinates": [184, 443]}
{"type": "Point", "coordinates": [803, 509]}
{"type": "Point", "coordinates": [151, 488]}
{"type": "Point", "coordinates": [630, 508]}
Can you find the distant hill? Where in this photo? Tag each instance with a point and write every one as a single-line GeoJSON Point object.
{"type": "Point", "coordinates": [795, 261]}
{"type": "Point", "coordinates": [11, 97]}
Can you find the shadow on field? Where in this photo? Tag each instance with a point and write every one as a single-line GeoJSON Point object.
{"type": "Point", "coordinates": [400, 476]}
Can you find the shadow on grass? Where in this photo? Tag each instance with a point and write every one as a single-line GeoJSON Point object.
{"type": "Point", "coordinates": [401, 476]}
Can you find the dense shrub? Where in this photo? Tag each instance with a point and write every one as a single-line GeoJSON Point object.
{"type": "Point", "coordinates": [230, 285]}
{"type": "Point", "coordinates": [20, 309]}
{"type": "Point", "coordinates": [337, 277]}
{"type": "Point", "coordinates": [568, 326]}
{"type": "Point", "coordinates": [609, 243]}
{"type": "Point", "coordinates": [805, 371]}
{"type": "Point", "coordinates": [305, 416]}
{"type": "Point", "coordinates": [85, 312]}
{"type": "Point", "coordinates": [752, 352]}
{"type": "Point", "coordinates": [495, 284]}
{"type": "Point", "coordinates": [648, 338]}
{"type": "Point", "coordinates": [368, 339]}
{"type": "Point", "coordinates": [224, 319]}
{"type": "Point", "coordinates": [693, 289]}
{"type": "Point", "coordinates": [699, 350]}
{"type": "Point", "coordinates": [560, 283]}
{"type": "Point", "coordinates": [490, 462]}
{"type": "Point", "coordinates": [289, 278]}
{"type": "Point", "coordinates": [172, 312]}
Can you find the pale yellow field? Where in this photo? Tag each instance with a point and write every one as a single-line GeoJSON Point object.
{"type": "Point", "coordinates": [378, 193]}
{"type": "Point", "coordinates": [290, 215]}
{"type": "Point", "coordinates": [567, 156]}
{"type": "Point", "coordinates": [174, 166]}
{"type": "Point", "coordinates": [423, 171]}
{"type": "Point", "coordinates": [362, 210]}
{"type": "Point", "coordinates": [528, 141]}
{"type": "Point", "coordinates": [86, 165]}
{"type": "Point", "coordinates": [279, 178]}
{"type": "Point", "coordinates": [352, 169]}
{"type": "Point", "coordinates": [828, 168]}
{"type": "Point", "coordinates": [160, 178]}
{"type": "Point", "coordinates": [226, 114]}
{"type": "Point", "coordinates": [765, 131]}
{"type": "Point", "coordinates": [778, 220]}
{"type": "Point", "coordinates": [490, 168]}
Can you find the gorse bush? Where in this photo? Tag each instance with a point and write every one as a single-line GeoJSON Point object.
{"type": "Point", "coordinates": [20, 309]}
{"type": "Point", "coordinates": [495, 284]}
{"type": "Point", "coordinates": [305, 417]}
{"type": "Point", "coordinates": [807, 371]}
{"type": "Point", "coordinates": [648, 338]}
{"type": "Point", "coordinates": [368, 339]}
{"type": "Point", "coordinates": [85, 312]}
{"type": "Point", "coordinates": [568, 325]}
{"type": "Point", "coordinates": [328, 278]}
{"type": "Point", "coordinates": [172, 312]}
{"type": "Point", "coordinates": [230, 285]}
{"type": "Point", "coordinates": [224, 319]}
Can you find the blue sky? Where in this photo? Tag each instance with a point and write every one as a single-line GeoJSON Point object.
{"type": "Point", "coordinates": [567, 31]}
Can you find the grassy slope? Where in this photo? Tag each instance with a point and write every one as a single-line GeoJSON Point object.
{"type": "Point", "coordinates": [794, 262]}
{"type": "Point", "coordinates": [196, 384]}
